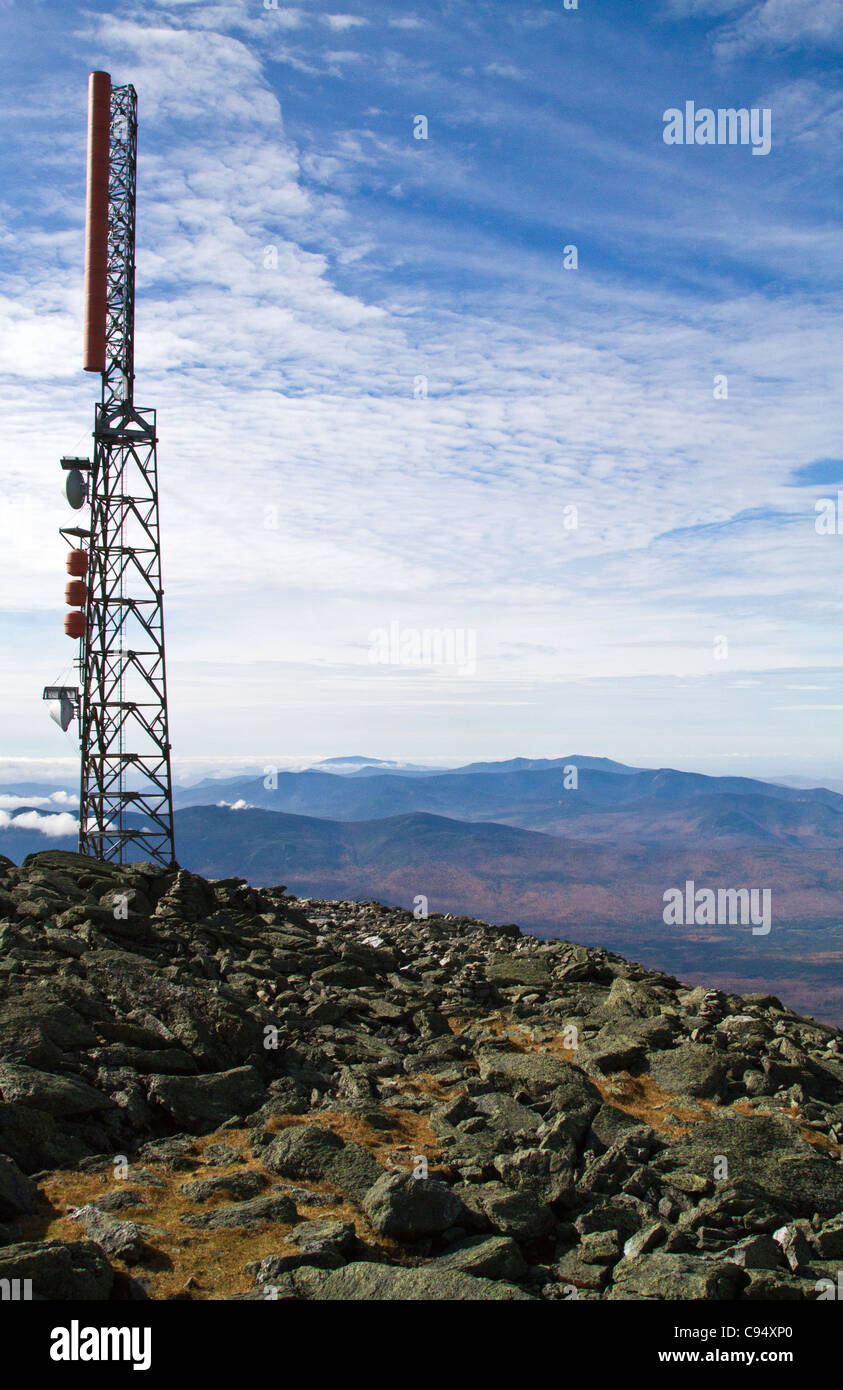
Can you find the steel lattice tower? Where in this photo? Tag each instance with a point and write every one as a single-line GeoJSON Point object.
{"type": "Point", "coordinates": [125, 797]}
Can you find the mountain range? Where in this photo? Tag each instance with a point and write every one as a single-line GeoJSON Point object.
{"type": "Point", "coordinates": [595, 800]}
{"type": "Point", "coordinates": [582, 846]}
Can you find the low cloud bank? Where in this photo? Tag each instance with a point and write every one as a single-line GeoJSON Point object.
{"type": "Point", "coordinates": [54, 826]}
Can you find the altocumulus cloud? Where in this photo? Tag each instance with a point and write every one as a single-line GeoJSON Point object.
{"type": "Point", "coordinates": [289, 301]}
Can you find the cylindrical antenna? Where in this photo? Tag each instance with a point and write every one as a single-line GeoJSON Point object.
{"type": "Point", "coordinates": [96, 221]}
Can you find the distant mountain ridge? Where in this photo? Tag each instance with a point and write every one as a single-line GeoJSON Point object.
{"type": "Point", "coordinates": [609, 894]}
{"type": "Point", "coordinates": [521, 843]}
{"type": "Point", "coordinates": [610, 803]}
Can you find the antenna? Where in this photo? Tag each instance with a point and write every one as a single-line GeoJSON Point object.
{"type": "Point", "coordinates": [117, 613]}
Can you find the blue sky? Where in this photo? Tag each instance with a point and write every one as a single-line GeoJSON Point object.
{"type": "Point", "coordinates": [383, 398]}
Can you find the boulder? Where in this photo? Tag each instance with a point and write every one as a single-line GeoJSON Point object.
{"type": "Point", "coordinates": [310, 1152]}
{"type": "Point", "coordinates": [60, 1270]}
{"type": "Point", "coordinates": [765, 1151]}
{"type": "Point", "coordinates": [122, 1239]}
{"type": "Point", "coordinates": [521, 1215]}
{"type": "Point", "coordinates": [489, 1257]}
{"type": "Point", "coordinates": [59, 1096]}
{"type": "Point", "coordinates": [272, 1209]}
{"type": "Point", "coordinates": [537, 1073]}
{"type": "Point", "coordinates": [659, 1275]}
{"type": "Point", "coordinates": [689, 1070]}
{"type": "Point", "coordinates": [242, 1185]}
{"type": "Point", "coordinates": [385, 1283]}
{"type": "Point", "coordinates": [408, 1208]}
{"type": "Point", "coordinates": [18, 1193]}
{"type": "Point", "coordinates": [203, 1102]}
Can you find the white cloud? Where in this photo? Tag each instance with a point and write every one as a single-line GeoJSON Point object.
{"type": "Point", "coordinates": [505, 70]}
{"type": "Point", "coordinates": [308, 495]}
{"type": "Point", "coordinates": [288, 17]}
{"type": "Point", "coordinates": [749, 26]}
{"type": "Point", "coordinates": [806, 113]}
{"type": "Point", "coordinates": [809, 707]}
{"type": "Point", "coordinates": [340, 23]}
{"type": "Point", "coordinates": [9, 802]}
{"type": "Point", "coordinates": [683, 8]}
{"type": "Point", "coordinates": [771, 24]}
{"type": "Point", "coordinates": [52, 826]}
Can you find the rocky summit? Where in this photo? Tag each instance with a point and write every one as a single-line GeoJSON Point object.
{"type": "Point", "coordinates": [211, 1091]}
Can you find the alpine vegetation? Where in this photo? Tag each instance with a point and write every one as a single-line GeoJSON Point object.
{"type": "Point", "coordinates": [231, 1092]}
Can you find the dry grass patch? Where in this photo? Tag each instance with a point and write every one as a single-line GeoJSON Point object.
{"type": "Point", "coordinates": [186, 1263]}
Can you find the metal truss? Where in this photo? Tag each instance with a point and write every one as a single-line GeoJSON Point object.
{"type": "Point", "coordinates": [125, 792]}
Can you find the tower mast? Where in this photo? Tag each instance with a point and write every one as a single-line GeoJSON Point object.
{"type": "Point", "coordinates": [125, 800]}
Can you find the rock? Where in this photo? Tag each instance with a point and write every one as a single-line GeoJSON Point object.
{"type": "Point", "coordinates": [609, 1124]}
{"type": "Point", "coordinates": [408, 1208]}
{"type": "Point", "coordinates": [805, 1183]}
{"type": "Point", "coordinates": [222, 1155]}
{"type": "Point", "coordinates": [691, 1069]}
{"type": "Point", "coordinates": [645, 1240]}
{"type": "Point", "coordinates": [489, 1257]}
{"type": "Point", "coordinates": [260, 1211]}
{"type": "Point", "coordinates": [18, 1193]}
{"type": "Point", "coordinates": [372, 1282]}
{"type": "Point", "coordinates": [241, 1185]}
{"type": "Point", "coordinates": [312, 1235]}
{"type": "Point", "coordinates": [35, 1141]}
{"type": "Point", "coordinates": [321, 1245]}
{"type": "Point", "coordinates": [113, 1036]}
{"type": "Point", "coordinates": [613, 1049]}
{"type": "Point", "coordinates": [519, 968]}
{"type": "Point", "coordinates": [634, 997]}
{"type": "Point", "coordinates": [121, 1239]}
{"type": "Point", "coordinates": [764, 1150]}
{"type": "Point", "coordinates": [768, 1286]}
{"type": "Point", "coordinates": [177, 1154]}
{"type": "Point", "coordinates": [574, 1269]}
{"type": "Point", "coordinates": [828, 1241]}
{"type": "Point", "coordinates": [273, 1267]}
{"type": "Point", "coordinates": [165, 1061]}
{"type": "Point", "coordinates": [310, 1152]}
{"type": "Point", "coordinates": [755, 1252]}
{"type": "Point", "coordinates": [664, 1276]}
{"type": "Point", "coordinates": [60, 1270]}
{"type": "Point", "coordinates": [575, 1094]}
{"type": "Point", "coordinates": [36, 1028]}
{"type": "Point", "coordinates": [202, 1102]}
{"type": "Point", "coordinates": [59, 1096]}
{"type": "Point", "coordinates": [794, 1246]}
{"type": "Point", "coordinates": [122, 1199]}
{"type": "Point", "coordinates": [533, 1072]}
{"type": "Point", "coordinates": [503, 1115]}
{"type": "Point", "coordinates": [547, 1174]}
{"type": "Point", "coordinates": [521, 1215]}
{"type": "Point", "coordinates": [624, 1213]}
{"type": "Point", "coordinates": [600, 1248]}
